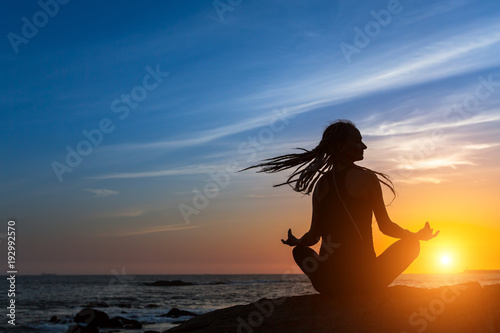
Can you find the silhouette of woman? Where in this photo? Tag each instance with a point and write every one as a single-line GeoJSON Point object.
{"type": "Point", "coordinates": [344, 198]}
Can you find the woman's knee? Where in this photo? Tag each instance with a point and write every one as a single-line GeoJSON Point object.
{"type": "Point", "coordinates": [301, 252]}
{"type": "Point", "coordinates": [306, 259]}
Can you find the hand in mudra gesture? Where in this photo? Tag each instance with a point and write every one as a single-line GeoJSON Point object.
{"type": "Point", "coordinates": [291, 240]}
{"type": "Point", "coordinates": [426, 233]}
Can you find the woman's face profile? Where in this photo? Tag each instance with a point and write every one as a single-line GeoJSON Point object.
{"type": "Point", "coordinates": [352, 147]}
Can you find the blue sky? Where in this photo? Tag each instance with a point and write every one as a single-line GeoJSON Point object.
{"type": "Point", "coordinates": [229, 73]}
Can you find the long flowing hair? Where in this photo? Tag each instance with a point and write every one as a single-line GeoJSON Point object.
{"type": "Point", "coordinates": [310, 165]}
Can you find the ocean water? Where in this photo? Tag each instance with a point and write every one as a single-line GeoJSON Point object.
{"type": "Point", "coordinates": [38, 298]}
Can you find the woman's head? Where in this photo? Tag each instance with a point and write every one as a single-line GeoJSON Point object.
{"type": "Point", "coordinates": [343, 142]}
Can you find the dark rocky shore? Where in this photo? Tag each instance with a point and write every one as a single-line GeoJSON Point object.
{"type": "Point", "coordinates": [91, 320]}
{"type": "Point", "coordinates": [459, 308]}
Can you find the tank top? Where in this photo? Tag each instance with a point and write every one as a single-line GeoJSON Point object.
{"type": "Point", "coordinates": [354, 235]}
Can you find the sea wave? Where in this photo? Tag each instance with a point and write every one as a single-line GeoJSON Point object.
{"type": "Point", "coordinates": [181, 283]}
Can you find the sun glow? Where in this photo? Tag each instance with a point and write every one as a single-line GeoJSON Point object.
{"type": "Point", "coordinates": [447, 263]}
{"type": "Point", "coordinates": [445, 260]}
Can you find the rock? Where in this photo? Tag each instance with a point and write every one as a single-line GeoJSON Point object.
{"type": "Point", "coordinates": [97, 318]}
{"type": "Point", "coordinates": [492, 298]}
{"type": "Point", "coordinates": [55, 320]}
{"type": "Point", "coordinates": [92, 317]}
{"type": "Point", "coordinates": [176, 313]}
{"type": "Point", "coordinates": [174, 283]}
{"type": "Point", "coordinates": [399, 309]}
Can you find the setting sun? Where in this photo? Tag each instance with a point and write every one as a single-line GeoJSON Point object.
{"type": "Point", "coordinates": [448, 262]}
{"type": "Point", "coordinates": [445, 260]}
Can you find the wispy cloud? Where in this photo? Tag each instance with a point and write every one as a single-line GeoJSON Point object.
{"type": "Point", "coordinates": [209, 135]}
{"type": "Point", "coordinates": [100, 193]}
{"type": "Point", "coordinates": [188, 170]}
{"type": "Point", "coordinates": [434, 163]}
{"type": "Point", "coordinates": [150, 230]}
{"type": "Point", "coordinates": [433, 9]}
{"type": "Point", "coordinates": [126, 213]}
{"type": "Point", "coordinates": [425, 63]}
{"type": "Point", "coordinates": [421, 61]}
{"type": "Point", "coordinates": [481, 146]}
{"type": "Point", "coordinates": [419, 180]}
{"type": "Point", "coordinates": [421, 146]}
{"type": "Point", "coordinates": [426, 123]}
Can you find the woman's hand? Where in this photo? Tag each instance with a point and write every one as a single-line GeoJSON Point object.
{"type": "Point", "coordinates": [292, 240]}
{"type": "Point", "coordinates": [426, 232]}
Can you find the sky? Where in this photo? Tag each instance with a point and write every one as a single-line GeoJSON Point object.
{"type": "Point", "coordinates": [123, 125]}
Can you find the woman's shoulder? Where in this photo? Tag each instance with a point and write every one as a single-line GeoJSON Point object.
{"type": "Point", "coordinates": [323, 185]}
{"type": "Point", "coordinates": [363, 176]}
{"type": "Point", "coordinates": [362, 173]}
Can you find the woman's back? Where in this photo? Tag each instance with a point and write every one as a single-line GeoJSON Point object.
{"type": "Point", "coordinates": [348, 219]}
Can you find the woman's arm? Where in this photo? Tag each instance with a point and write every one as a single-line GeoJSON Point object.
{"type": "Point", "coordinates": [385, 224]}
{"type": "Point", "coordinates": [319, 213]}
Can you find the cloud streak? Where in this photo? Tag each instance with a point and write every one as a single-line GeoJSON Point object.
{"type": "Point", "coordinates": [425, 63]}
{"type": "Point", "coordinates": [100, 192]}
{"type": "Point", "coordinates": [151, 230]}
{"type": "Point", "coordinates": [189, 170]}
